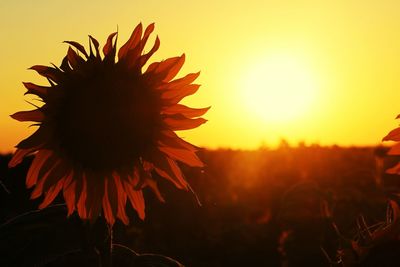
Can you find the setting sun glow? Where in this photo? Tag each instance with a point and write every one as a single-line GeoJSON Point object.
{"type": "Point", "coordinates": [323, 72]}
{"type": "Point", "coordinates": [279, 89]}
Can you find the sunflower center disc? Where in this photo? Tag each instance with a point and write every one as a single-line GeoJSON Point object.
{"type": "Point", "coordinates": [107, 121]}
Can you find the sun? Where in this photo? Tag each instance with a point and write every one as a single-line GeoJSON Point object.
{"type": "Point", "coordinates": [279, 89]}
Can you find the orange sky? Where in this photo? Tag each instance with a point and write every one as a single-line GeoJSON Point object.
{"type": "Point", "coordinates": [336, 65]}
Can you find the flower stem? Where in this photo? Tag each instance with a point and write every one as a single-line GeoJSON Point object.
{"type": "Point", "coordinates": [110, 237]}
{"type": "Point", "coordinates": [105, 248]}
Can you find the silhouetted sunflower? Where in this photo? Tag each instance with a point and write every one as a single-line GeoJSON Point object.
{"type": "Point", "coordinates": [394, 135]}
{"type": "Point", "coordinates": [106, 127]}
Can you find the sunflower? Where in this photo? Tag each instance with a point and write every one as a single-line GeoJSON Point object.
{"type": "Point", "coordinates": [394, 135]}
{"type": "Point", "coordinates": [106, 128]}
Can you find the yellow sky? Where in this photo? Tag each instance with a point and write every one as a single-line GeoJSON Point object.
{"type": "Point", "coordinates": [349, 49]}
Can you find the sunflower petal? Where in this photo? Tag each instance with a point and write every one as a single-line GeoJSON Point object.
{"type": "Point", "coordinates": [81, 205]}
{"type": "Point", "coordinates": [68, 179]}
{"type": "Point", "coordinates": [132, 42]}
{"type": "Point", "coordinates": [107, 207]}
{"type": "Point", "coordinates": [96, 46]}
{"type": "Point", "coordinates": [69, 193]}
{"type": "Point", "coordinates": [95, 194]}
{"type": "Point", "coordinates": [167, 69]}
{"type": "Point", "coordinates": [135, 59]}
{"type": "Point", "coordinates": [95, 208]}
{"type": "Point", "coordinates": [181, 82]}
{"type": "Point", "coordinates": [33, 173]}
{"type": "Point", "coordinates": [137, 178]}
{"type": "Point", "coordinates": [40, 91]}
{"type": "Point", "coordinates": [393, 135]}
{"type": "Point", "coordinates": [48, 72]}
{"type": "Point", "coordinates": [154, 187]}
{"type": "Point", "coordinates": [19, 154]}
{"type": "Point", "coordinates": [185, 111]}
{"type": "Point", "coordinates": [147, 32]}
{"type": "Point", "coordinates": [132, 58]}
{"type": "Point", "coordinates": [59, 171]}
{"type": "Point", "coordinates": [109, 47]}
{"type": "Point", "coordinates": [394, 170]}
{"type": "Point", "coordinates": [168, 169]}
{"type": "Point", "coordinates": [77, 177]}
{"type": "Point", "coordinates": [73, 58]}
{"type": "Point", "coordinates": [43, 175]}
{"type": "Point", "coordinates": [183, 155]}
{"type": "Point", "coordinates": [48, 165]}
{"type": "Point", "coordinates": [175, 68]}
{"type": "Point", "coordinates": [51, 193]}
{"type": "Point", "coordinates": [37, 191]}
{"type": "Point", "coordinates": [176, 95]}
{"type": "Point", "coordinates": [177, 172]}
{"type": "Point", "coordinates": [144, 58]}
{"type": "Point", "coordinates": [65, 65]}
{"type": "Point", "coordinates": [394, 150]}
{"type": "Point", "coordinates": [113, 196]}
{"type": "Point", "coordinates": [170, 138]}
{"type": "Point", "coordinates": [121, 213]}
{"type": "Point", "coordinates": [92, 187]}
{"type": "Point", "coordinates": [31, 115]}
{"type": "Point", "coordinates": [78, 46]}
{"type": "Point", "coordinates": [136, 199]}
{"type": "Point", "coordinates": [179, 122]}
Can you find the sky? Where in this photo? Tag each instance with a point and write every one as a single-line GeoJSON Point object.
{"type": "Point", "coordinates": [324, 72]}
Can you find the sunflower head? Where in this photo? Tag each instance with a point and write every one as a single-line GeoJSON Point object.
{"type": "Point", "coordinates": [107, 128]}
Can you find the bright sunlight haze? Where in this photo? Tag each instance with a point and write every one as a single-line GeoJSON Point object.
{"type": "Point", "coordinates": [279, 89]}
{"type": "Point", "coordinates": [321, 72]}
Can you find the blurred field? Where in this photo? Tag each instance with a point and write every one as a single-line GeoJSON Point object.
{"type": "Point", "coordinates": [259, 208]}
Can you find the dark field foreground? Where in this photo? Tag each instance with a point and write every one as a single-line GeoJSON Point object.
{"type": "Point", "coordinates": [284, 207]}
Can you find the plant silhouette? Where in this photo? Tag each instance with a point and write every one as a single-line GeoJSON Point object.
{"type": "Point", "coordinates": [96, 107]}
